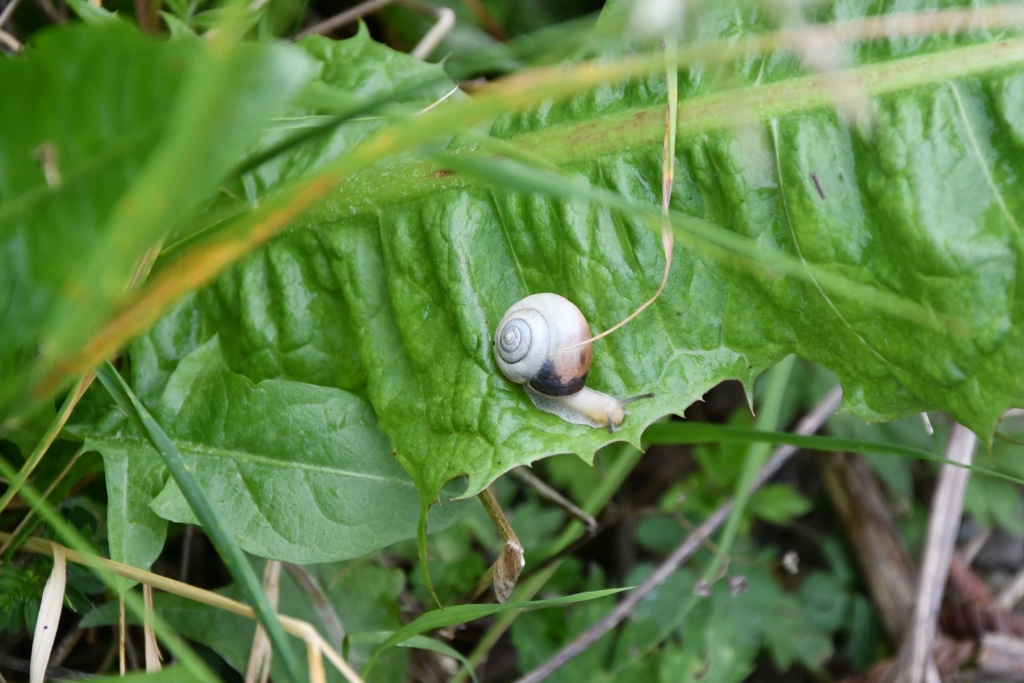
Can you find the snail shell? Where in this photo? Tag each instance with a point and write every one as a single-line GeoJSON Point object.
{"type": "Point", "coordinates": [537, 344]}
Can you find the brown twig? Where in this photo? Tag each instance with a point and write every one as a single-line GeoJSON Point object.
{"type": "Point", "coordinates": [321, 604]}
{"type": "Point", "coordinates": [53, 673]}
{"type": "Point", "coordinates": [864, 511]}
{"type": "Point", "coordinates": [428, 43]}
{"type": "Point", "coordinates": [547, 493]}
{"type": "Point", "coordinates": [693, 542]}
{"type": "Point", "coordinates": [511, 561]}
{"type": "Point", "coordinates": [970, 610]}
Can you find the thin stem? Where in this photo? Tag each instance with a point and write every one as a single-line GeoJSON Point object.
{"type": "Point", "coordinates": [51, 433]}
{"type": "Point", "coordinates": [548, 493]}
{"type": "Point", "coordinates": [758, 453]}
{"type": "Point", "coordinates": [915, 662]}
{"type": "Point", "coordinates": [668, 171]}
{"type": "Point", "coordinates": [46, 494]}
{"type": "Point", "coordinates": [510, 562]}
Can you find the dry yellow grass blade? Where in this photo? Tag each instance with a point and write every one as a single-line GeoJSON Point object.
{"type": "Point", "coordinates": [317, 647]}
{"type": "Point", "coordinates": [49, 615]}
{"type": "Point", "coordinates": [153, 656]}
{"type": "Point", "coordinates": [258, 670]}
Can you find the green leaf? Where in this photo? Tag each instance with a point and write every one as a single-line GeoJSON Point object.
{"type": "Point", "coordinates": [352, 71]}
{"type": "Point", "coordinates": [207, 513]}
{"type": "Point", "coordinates": [299, 473]}
{"type": "Point", "coordinates": [886, 251]}
{"type": "Point", "coordinates": [723, 634]}
{"type": "Point", "coordinates": [116, 139]}
{"type": "Point", "coordinates": [865, 634]}
{"type": "Point", "coordinates": [778, 504]}
{"type": "Point", "coordinates": [825, 600]}
{"type": "Point", "coordinates": [432, 273]}
{"type": "Point", "coordinates": [92, 14]}
{"type": "Point", "coordinates": [720, 642]}
{"type": "Point", "coordinates": [20, 588]}
{"type": "Point", "coordinates": [134, 475]}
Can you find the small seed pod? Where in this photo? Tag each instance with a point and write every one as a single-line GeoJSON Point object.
{"type": "Point", "coordinates": [541, 343]}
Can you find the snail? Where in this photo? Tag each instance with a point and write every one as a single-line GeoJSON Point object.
{"type": "Point", "coordinates": [542, 342]}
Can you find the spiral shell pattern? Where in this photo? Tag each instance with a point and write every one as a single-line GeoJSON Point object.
{"type": "Point", "coordinates": [535, 344]}
{"type": "Point", "coordinates": [514, 340]}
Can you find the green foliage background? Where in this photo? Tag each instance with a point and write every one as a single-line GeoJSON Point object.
{"type": "Point", "coordinates": [331, 382]}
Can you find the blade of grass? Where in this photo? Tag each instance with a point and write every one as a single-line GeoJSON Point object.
{"type": "Point", "coordinates": [757, 455]}
{"type": "Point", "coordinates": [419, 643]}
{"type": "Point", "coordinates": [177, 176]}
{"type": "Point", "coordinates": [697, 433]}
{"type": "Point", "coordinates": [171, 674]}
{"type": "Point", "coordinates": [461, 614]}
{"type": "Point", "coordinates": [52, 430]}
{"type": "Point", "coordinates": [232, 555]}
{"type": "Point", "coordinates": [50, 608]}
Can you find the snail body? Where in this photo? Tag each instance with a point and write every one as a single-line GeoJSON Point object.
{"type": "Point", "coordinates": [542, 343]}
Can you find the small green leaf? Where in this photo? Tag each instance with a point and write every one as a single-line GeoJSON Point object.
{"type": "Point", "coordinates": [299, 473]}
{"type": "Point", "coordinates": [134, 475]}
{"type": "Point", "coordinates": [778, 504]}
{"type": "Point", "coordinates": [825, 600]}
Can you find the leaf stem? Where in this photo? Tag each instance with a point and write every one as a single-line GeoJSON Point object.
{"type": "Point", "coordinates": [621, 459]}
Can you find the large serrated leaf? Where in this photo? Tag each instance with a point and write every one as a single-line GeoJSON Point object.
{"type": "Point", "coordinates": [885, 250]}
{"type": "Point", "coordinates": [899, 244]}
